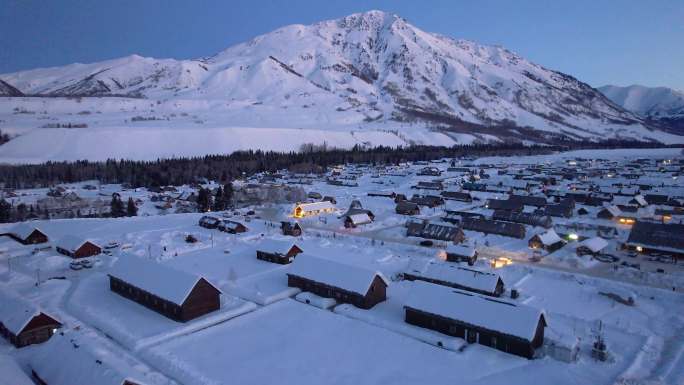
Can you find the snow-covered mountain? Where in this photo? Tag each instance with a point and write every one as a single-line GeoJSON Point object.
{"type": "Point", "coordinates": [7, 89]}
{"type": "Point", "coordinates": [658, 104]}
{"type": "Point", "coordinates": [366, 71]}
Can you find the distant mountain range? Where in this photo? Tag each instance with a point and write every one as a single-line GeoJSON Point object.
{"type": "Point", "coordinates": [369, 71]}
{"type": "Point", "coordinates": [660, 105]}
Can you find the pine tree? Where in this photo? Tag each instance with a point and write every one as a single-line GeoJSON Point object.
{"type": "Point", "coordinates": [228, 195]}
{"type": "Point", "coordinates": [219, 203]}
{"type": "Point", "coordinates": [203, 200]}
{"type": "Point", "coordinates": [117, 209]}
{"type": "Point", "coordinates": [131, 208]}
{"type": "Point", "coordinates": [5, 208]}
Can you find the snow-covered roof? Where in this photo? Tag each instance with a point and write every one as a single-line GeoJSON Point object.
{"type": "Point", "coordinates": [276, 246]}
{"type": "Point", "coordinates": [493, 314]}
{"type": "Point", "coordinates": [15, 312]}
{"type": "Point", "coordinates": [66, 359]}
{"type": "Point", "coordinates": [614, 210]}
{"type": "Point", "coordinates": [359, 219]}
{"type": "Point", "coordinates": [640, 200]}
{"type": "Point", "coordinates": [317, 206]}
{"type": "Point", "coordinates": [72, 242]}
{"type": "Point", "coordinates": [156, 278]}
{"type": "Point", "coordinates": [22, 230]}
{"type": "Point", "coordinates": [595, 244]}
{"type": "Point", "coordinates": [472, 278]}
{"type": "Point", "coordinates": [463, 250]}
{"type": "Point", "coordinates": [12, 373]}
{"type": "Point", "coordinates": [549, 237]}
{"type": "Point", "coordinates": [355, 279]}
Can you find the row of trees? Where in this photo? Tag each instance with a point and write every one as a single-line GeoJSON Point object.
{"type": "Point", "coordinates": [220, 200]}
{"type": "Point", "coordinates": [227, 167]}
{"type": "Point", "coordinates": [117, 207]}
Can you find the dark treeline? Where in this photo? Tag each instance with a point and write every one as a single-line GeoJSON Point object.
{"type": "Point", "coordinates": [223, 168]}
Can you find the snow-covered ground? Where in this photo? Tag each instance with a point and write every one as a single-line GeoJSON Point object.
{"type": "Point", "coordinates": [268, 333]}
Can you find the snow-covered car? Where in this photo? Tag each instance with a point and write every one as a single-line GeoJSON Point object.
{"type": "Point", "coordinates": [86, 263]}
{"type": "Point", "coordinates": [75, 265]}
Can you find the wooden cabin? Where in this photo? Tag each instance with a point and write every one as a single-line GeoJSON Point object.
{"type": "Point", "coordinates": [407, 208]}
{"type": "Point", "coordinates": [548, 240]}
{"type": "Point", "coordinates": [591, 246]}
{"type": "Point", "coordinates": [354, 220]}
{"type": "Point", "coordinates": [291, 228]}
{"type": "Point", "coordinates": [209, 222]}
{"type": "Point", "coordinates": [303, 210]}
{"type": "Point", "coordinates": [435, 231]}
{"type": "Point", "coordinates": [657, 238]}
{"type": "Point", "coordinates": [462, 278]}
{"type": "Point", "coordinates": [22, 323]}
{"type": "Point", "coordinates": [558, 210]}
{"type": "Point", "coordinates": [345, 283]}
{"type": "Point", "coordinates": [459, 253]}
{"type": "Point", "coordinates": [506, 205]}
{"type": "Point", "coordinates": [176, 294]}
{"type": "Point", "coordinates": [77, 247]}
{"type": "Point", "coordinates": [509, 327]}
{"type": "Point", "coordinates": [528, 200]}
{"type": "Point", "coordinates": [232, 227]}
{"type": "Point", "coordinates": [457, 196]}
{"type": "Point", "coordinates": [524, 218]}
{"type": "Point", "coordinates": [69, 358]}
{"type": "Point", "coordinates": [430, 201]}
{"type": "Point", "coordinates": [281, 252]}
{"type": "Point", "coordinates": [487, 226]}
{"type": "Point", "coordinates": [26, 234]}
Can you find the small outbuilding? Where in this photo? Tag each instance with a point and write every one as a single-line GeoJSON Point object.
{"type": "Point", "coordinates": [548, 240]}
{"type": "Point", "coordinates": [476, 281]}
{"type": "Point", "coordinates": [27, 235]}
{"type": "Point", "coordinates": [407, 208]}
{"type": "Point", "coordinates": [459, 253]}
{"type": "Point", "coordinates": [77, 247]}
{"type": "Point", "coordinates": [22, 323]}
{"type": "Point", "coordinates": [232, 227]}
{"type": "Point", "coordinates": [281, 252]}
{"type": "Point", "coordinates": [291, 228]}
{"type": "Point", "coordinates": [591, 246]}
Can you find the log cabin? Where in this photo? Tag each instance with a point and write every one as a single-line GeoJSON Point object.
{"type": "Point", "coordinates": [506, 326]}
{"type": "Point", "coordinates": [345, 283]}
{"type": "Point", "coordinates": [27, 235]}
{"type": "Point", "coordinates": [457, 277]}
{"type": "Point", "coordinates": [548, 240]}
{"type": "Point", "coordinates": [22, 323]}
{"type": "Point", "coordinates": [77, 247]}
{"type": "Point", "coordinates": [176, 294]}
{"type": "Point", "coordinates": [657, 238]}
{"type": "Point", "coordinates": [275, 251]}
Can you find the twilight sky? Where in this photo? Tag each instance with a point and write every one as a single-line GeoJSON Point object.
{"type": "Point", "coordinates": [618, 42]}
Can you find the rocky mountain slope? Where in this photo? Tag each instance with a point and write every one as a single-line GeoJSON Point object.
{"type": "Point", "coordinates": [660, 105]}
{"type": "Point", "coordinates": [371, 77]}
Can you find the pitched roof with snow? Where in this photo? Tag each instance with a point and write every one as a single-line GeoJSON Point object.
{"type": "Point", "coordinates": [463, 250]}
{"type": "Point", "coordinates": [72, 242]}
{"type": "Point", "coordinates": [471, 278]}
{"type": "Point", "coordinates": [22, 230]}
{"type": "Point", "coordinates": [595, 244]}
{"type": "Point", "coordinates": [276, 246]}
{"type": "Point", "coordinates": [355, 279]}
{"type": "Point", "coordinates": [359, 219]}
{"type": "Point", "coordinates": [317, 206]}
{"type": "Point", "coordinates": [15, 312]}
{"type": "Point", "coordinates": [488, 313]}
{"type": "Point", "coordinates": [156, 278]}
{"type": "Point", "coordinates": [549, 237]}
{"type": "Point", "coordinates": [66, 360]}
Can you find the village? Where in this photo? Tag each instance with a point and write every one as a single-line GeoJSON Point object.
{"type": "Point", "coordinates": [563, 268]}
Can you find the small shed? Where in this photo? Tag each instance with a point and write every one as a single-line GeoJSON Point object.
{"type": "Point", "coordinates": [276, 251]}
{"type": "Point", "coordinates": [291, 228]}
{"type": "Point", "coordinates": [76, 247]}
{"type": "Point", "coordinates": [209, 222]}
{"type": "Point", "coordinates": [459, 253]}
{"type": "Point", "coordinates": [548, 240]}
{"type": "Point", "coordinates": [232, 227]}
{"type": "Point", "coordinates": [591, 246]}
{"type": "Point", "coordinates": [407, 208]}
{"type": "Point", "coordinates": [354, 220]}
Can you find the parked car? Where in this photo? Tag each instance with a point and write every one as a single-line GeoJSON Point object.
{"type": "Point", "coordinates": [86, 263]}
{"type": "Point", "coordinates": [75, 265]}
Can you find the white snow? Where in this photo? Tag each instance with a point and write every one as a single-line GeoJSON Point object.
{"type": "Point", "coordinates": [334, 273]}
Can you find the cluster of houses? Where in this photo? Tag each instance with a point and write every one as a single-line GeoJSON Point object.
{"type": "Point", "coordinates": [70, 245]}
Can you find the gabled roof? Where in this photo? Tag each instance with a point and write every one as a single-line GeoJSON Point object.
{"type": "Point", "coordinates": [493, 314]}
{"type": "Point", "coordinates": [23, 230]}
{"type": "Point", "coordinates": [471, 278]}
{"type": "Point", "coordinates": [72, 242]}
{"type": "Point", "coordinates": [595, 244]}
{"type": "Point", "coordinates": [156, 278]}
{"type": "Point", "coordinates": [666, 237]}
{"type": "Point", "coordinates": [16, 313]}
{"type": "Point", "coordinates": [549, 237]}
{"type": "Point", "coordinates": [359, 219]}
{"type": "Point", "coordinates": [65, 359]}
{"type": "Point", "coordinates": [316, 206]}
{"type": "Point", "coordinates": [463, 250]}
{"type": "Point", "coordinates": [276, 246]}
{"type": "Point", "coordinates": [352, 278]}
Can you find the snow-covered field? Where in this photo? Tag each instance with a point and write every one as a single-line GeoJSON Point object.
{"type": "Point", "coordinates": [268, 333]}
